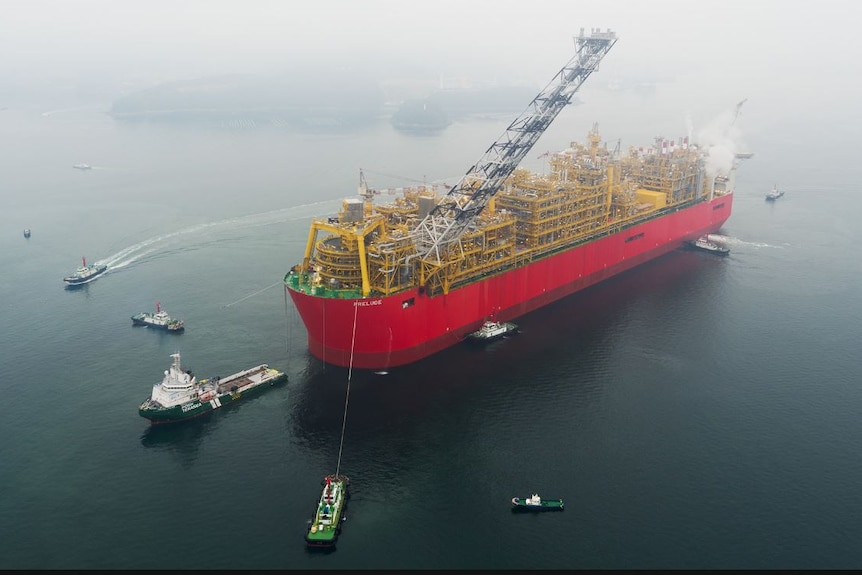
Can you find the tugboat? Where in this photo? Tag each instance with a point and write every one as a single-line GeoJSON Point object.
{"type": "Point", "coordinates": [492, 330]}
{"type": "Point", "coordinates": [536, 503]}
{"type": "Point", "coordinates": [774, 194]}
{"type": "Point", "coordinates": [158, 320]}
{"type": "Point", "coordinates": [180, 396]}
{"type": "Point", "coordinates": [85, 273]}
{"type": "Point", "coordinates": [325, 526]}
{"type": "Point", "coordinates": [703, 243]}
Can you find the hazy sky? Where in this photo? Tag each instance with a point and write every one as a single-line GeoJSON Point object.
{"type": "Point", "coordinates": [159, 38]}
{"type": "Point", "coordinates": [801, 56]}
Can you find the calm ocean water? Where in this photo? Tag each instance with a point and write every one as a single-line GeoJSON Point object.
{"type": "Point", "coordinates": [697, 412]}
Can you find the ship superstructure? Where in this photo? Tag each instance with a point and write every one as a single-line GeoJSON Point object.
{"type": "Point", "coordinates": [424, 270]}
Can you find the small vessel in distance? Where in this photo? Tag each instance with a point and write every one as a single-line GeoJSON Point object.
{"type": "Point", "coordinates": [27, 232]}
{"type": "Point", "coordinates": [83, 167]}
{"type": "Point", "coordinates": [492, 330]}
{"type": "Point", "coordinates": [180, 396]}
{"type": "Point", "coordinates": [704, 243]}
{"type": "Point", "coordinates": [158, 320]}
{"type": "Point", "coordinates": [774, 194]}
{"type": "Point", "coordinates": [85, 273]}
{"type": "Point", "coordinates": [325, 525]}
{"type": "Point", "coordinates": [536, 503]}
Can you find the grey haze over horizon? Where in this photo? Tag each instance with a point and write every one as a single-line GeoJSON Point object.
{"type": "Point", "coordinates": [790, 59]}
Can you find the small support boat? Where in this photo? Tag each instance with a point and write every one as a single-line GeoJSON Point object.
{"type": "Point", "coordinates": [325, 526]}
{"type": "Point", "coordinates": [492, 330]}
{"type": "Point", "coordinates": [536, 503]}
{"type": "Point", "coordinates": [705, 244]}
{"type": "Point", "coordinates": [159, 320]}
{"type": "Point", "coordinates": [85, 274]}
{"type": "Point", "coordinates": [27, 232]}
{"type": "Point", "coordinates": [774, 194]}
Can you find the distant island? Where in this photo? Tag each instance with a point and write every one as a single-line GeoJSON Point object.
{"type": "Point", "coordinates": [436, 111]}
{"type": "Point", "coordinates": [296, 99]}
{"type": "Point", "coordinates": [312, 98]}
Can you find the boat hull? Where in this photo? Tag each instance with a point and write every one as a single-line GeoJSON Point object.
{"type": "Point", "coordinates": [521, 505]}
{"type": "Point", "coordinates": [196, 408]}
{"type": "Point", "coordinates": [72, 281]}
{"type": "Point", "coordinates": [710, 248]}
{"type": "Point", "coordinates": [144, 322]}
{"type": "Point", "coordinates": [412, 325]}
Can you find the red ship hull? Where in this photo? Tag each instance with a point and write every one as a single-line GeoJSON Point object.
{"type": "Point", "coordinates": [409, 326]}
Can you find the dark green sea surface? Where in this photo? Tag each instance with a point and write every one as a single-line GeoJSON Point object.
{"type": "Point", "coordinates": [697, 412]}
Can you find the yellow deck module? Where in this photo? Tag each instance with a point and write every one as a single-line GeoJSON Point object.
{"type": "Point", "coordinates": [655, 199]}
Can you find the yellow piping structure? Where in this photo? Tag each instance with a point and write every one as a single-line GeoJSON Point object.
{"type": "Point", "coordinates": [589, 192]}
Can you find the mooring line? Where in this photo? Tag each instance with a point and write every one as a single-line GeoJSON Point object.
{"type": "Point", "coordinates": [252, 295]}
{"type": "Point", "coordinates": [347, 395]}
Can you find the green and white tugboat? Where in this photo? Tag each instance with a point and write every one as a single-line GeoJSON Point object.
{"type": "Point", "coordinates": [180, 396]}
{"type": "Point", "coordinates": [158, 320]}
{"type": "Point", "coordinates": [325, 526]}
{"type": "Point", "coordinates": [536, 503]}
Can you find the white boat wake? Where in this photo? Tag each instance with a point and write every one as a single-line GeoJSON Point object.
{"type": "Point", "coordinates": [166, 243]}
{"type": "Point", "coordinates": [731, 241]}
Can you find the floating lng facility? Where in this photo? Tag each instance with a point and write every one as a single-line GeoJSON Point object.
{"type": "Point", "coordinates": [387, 284]}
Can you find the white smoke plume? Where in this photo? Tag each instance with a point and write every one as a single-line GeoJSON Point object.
{"type": "Point", "coordinates": [722, 139]}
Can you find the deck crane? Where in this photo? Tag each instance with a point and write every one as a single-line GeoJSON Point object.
{"type": "Point", "coordinates": [443, 227]}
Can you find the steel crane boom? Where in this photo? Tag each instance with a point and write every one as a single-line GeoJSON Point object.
{"type": "Point", "coordinates": [445, 224]}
